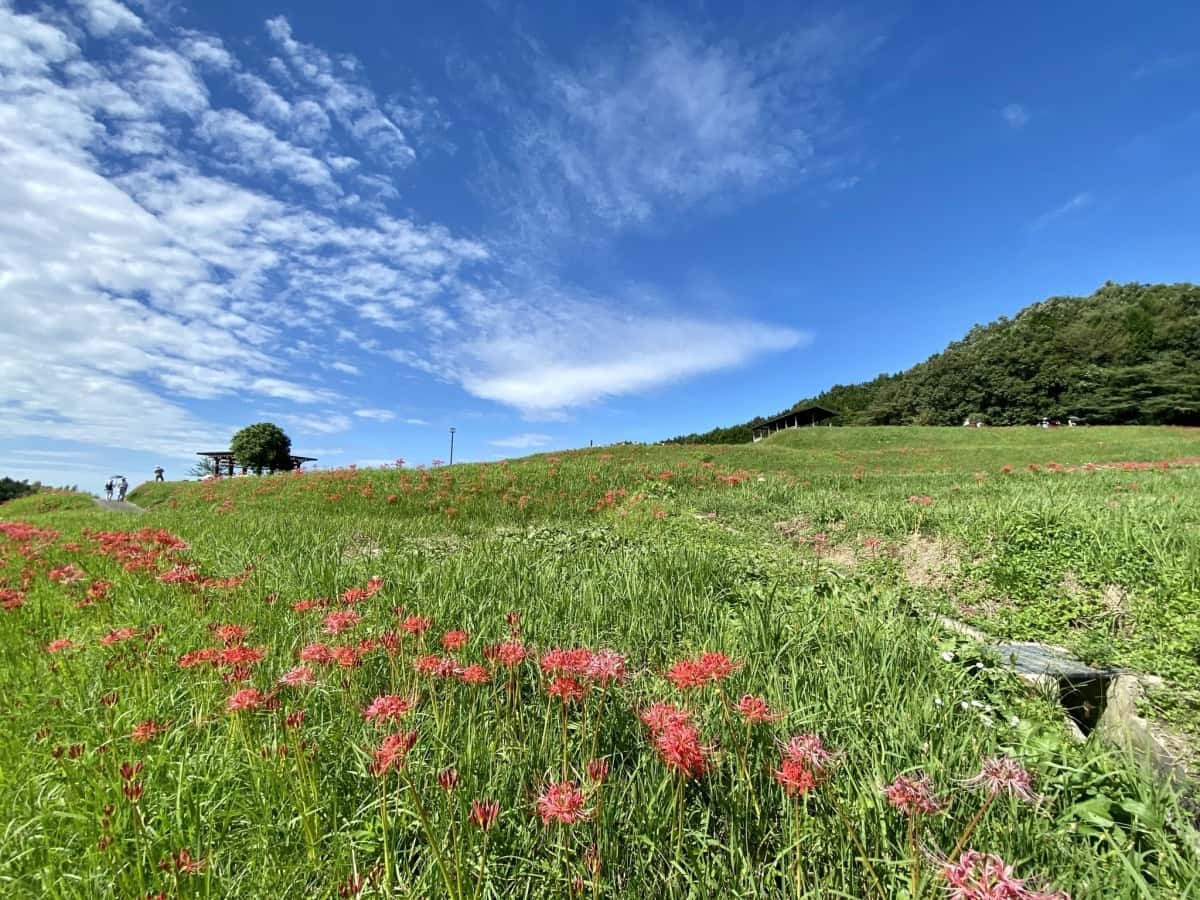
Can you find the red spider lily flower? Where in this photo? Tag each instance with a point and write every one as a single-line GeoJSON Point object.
{"type": "Point", "coordinates": [130, 770]}
{"type": "Point", "coordinates": [186, 864]}
{"type": "Point", "coordinates": [230, 634]}
{"type": "Point", "coordinates": [337, 622]}
{"type": "Point", "coordinates": [661, 716]}
{"type": "Point", "coordinates": [982, 876]}
{"type": "Point", "coordinates": [558, 661]}
{"type": "Point", "coordinates": [756, 710]}
{"type": "Point", "coordinates": [393, 752]}
{"type": "Point", "coordinates": [448, 779]}
{"type": "Point", "coordinates": [913, 795]}
{"type": "Point", "coordinates": [606, 666]}
{"type": "Point", "coordinates": [475, 674]}
{"type": "Point", "coordinates": [241, 656]}
{"type": "Point", "coordinates": [428, 664]}
{"type": "Point", "coordinates": [808, 750]}
{"type": "Point", "coordinates": [1003, 774]}
{"type": "Point", "coordinates": [146, 731]}
{"type": "Point", "coordinates": [110, 699]}
{"type": "Point", "coordinates": [297, 676]}
{"type": "Point", "coordinates": [117, 635]}
{"type": "Point", "coordinates": [795, 777]}
{"type": "Point", "coordinates": [718, 666]}
{"type": "Point", "coordinates": [246, 699]}
{"type": "Point", "coordinates": [67, 574]}
{"type": "Point", "coordinates": [180, 574]}
{"type": "Point", "coordinates": [10, 599]}
{"type": "Point", "coordinates": [680, 750]}
{"type": "Point", "coordinates": [561, 802]}
{"type": "Point", "coordinates": [454, 640]}
{"type": "Point", "coordinates": [484, 813]}
{"type": "Point", "coordinates": [316, 653]}
{"type": "Point", "coordinates": [389, 708]}
{"type": "Point", "coordinates": [566, 689]}
{"type": "Point", "coordinates": [295, 718]}
{"type": "Point", "coordinates": [59, 644]}
{"type": "Point", "coordinates": [199, 657]}
{"type": "Point", "coordinates": [133, 791]}
{"type": "Point", "coordinates": [346, 656]}
{"type": "Point", "coordinates": [513, 619]}
{"type": "Point", "coordinates": [686, 674]}
{"type": "Point", "coordinates": [509, 653]}
{"type": "Point", "coordinates": [597, 770]}
{"type": "Point", "coordinates": [303, 606]}
{"type": "Point", "coordinates": [416, 625]}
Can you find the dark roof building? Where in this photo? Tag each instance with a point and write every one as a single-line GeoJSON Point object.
{"type": "Point", "coordinates": [795, 418]}
{"type": "Point", "coordinates": [224, 459]}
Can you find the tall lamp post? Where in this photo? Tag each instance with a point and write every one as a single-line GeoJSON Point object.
{"type": "Point", "coordinates": [452, 445]}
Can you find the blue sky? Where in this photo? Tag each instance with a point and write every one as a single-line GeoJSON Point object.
{"type": "Point", "coordinates": [548, 224]}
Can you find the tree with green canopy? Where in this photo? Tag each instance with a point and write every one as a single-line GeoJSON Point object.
{"type": "Point", "coordinates": [263, 445]}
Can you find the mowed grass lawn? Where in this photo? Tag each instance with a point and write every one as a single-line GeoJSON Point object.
{"type": "Point", "coordinates": [581, 674]}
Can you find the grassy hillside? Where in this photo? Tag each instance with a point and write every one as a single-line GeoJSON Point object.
{"type": "Point", "coordinates": [810, 560]}
{"type": "Point", "coordinates": [1128, 354]}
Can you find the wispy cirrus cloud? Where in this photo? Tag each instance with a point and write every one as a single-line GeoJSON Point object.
{"type": "Point", "coordinates": [189, 221]}
{"type": "Point", "coordinates": [525, 441]}
{"type": "Point", "coordinates": [1015, 115]}
{"type": "Point", "coordinates": [1076, 203]}
{"type": "Point", "coordinates": [375, 415]}
{"type": "Point", "coordinates": [672, 117]}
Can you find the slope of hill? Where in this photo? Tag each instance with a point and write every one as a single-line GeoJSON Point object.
{"type": "Point", "coordinates": [296, 685]}
{"type": "Point", "coordinates": [1128, 354]}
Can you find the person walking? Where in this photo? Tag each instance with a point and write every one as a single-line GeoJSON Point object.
{"type": "Point", "coordinates": [158, 473]}
{"type": "Point", "coordinates": [108, 489]}
{"type": "Point", "coordinates": [122, 487]}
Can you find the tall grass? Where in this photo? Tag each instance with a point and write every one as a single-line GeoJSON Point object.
{"type": "Point", "coordinates": [659, 554]}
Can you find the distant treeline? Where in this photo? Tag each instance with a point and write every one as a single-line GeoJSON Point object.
{"type": "Point", "coordinates": [11, 489]}
{"type": "Point", "coordinates": [1127, 355]}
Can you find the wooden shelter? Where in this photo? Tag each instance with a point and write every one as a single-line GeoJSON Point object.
{"type": "Point", "coordinates": [795, 418]}
{"type": "Point", "coordinates": [224, 461]}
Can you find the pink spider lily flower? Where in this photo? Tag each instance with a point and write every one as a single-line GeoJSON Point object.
{"type": "Point", "coordinates": [393, 752]}
{"type": "Point", "coordinates": [389, 708]}
{"type": "Point", "coordinates": [755, 710]}
{"type": "Point", "coordinates": [913, 795]}
{"type": "Point", "coordinates": [1004, 775]}
{"type": "Point", "coordinates": [561, 802]}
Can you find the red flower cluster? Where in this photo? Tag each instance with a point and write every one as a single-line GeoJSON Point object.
{"type": "Point", "coordinates": [562, 802]}
{"type": "Point", "coordinates": [708, 668]}
{"type": "Point", "coordinates": [393, 752]}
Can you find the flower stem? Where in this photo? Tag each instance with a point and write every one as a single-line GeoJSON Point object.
{"type": "Point", "coordinates": [854, 836]}
{"type": "Point", "coordinates": [966, 835]}
{"type": "Point", "coordinates": [433, 845]}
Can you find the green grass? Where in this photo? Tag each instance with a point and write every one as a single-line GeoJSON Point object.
{"type": "Point", "coordinates": [659, 553]}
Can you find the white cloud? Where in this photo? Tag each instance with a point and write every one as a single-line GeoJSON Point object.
{"type": "Point", "coordinates": [1079, 201]}
{"type": "Point", "coordinates": [1015, 115]}
{"type": "Point", "coordinates": [673, 117]}
{"type": "Point", "coordinates": [376, 415]}
{"type": "Point", "coordinates": [328, 422]}
{"type": "Point", "coordinates": [568, 352]}
{"type": "Point", "coordinates": [158, 249]}
{"type": "Point", "coordinates": [104, 17]}
{"type": "Point", "coordinates": [524, 441]}
{"type": "Point", "coordinates": [344, 95]}
{"type": "Point", "coordinates": [136, 273]}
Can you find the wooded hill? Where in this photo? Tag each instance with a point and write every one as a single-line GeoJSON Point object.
{"type": "Point", "coordinates": [1127, 355]}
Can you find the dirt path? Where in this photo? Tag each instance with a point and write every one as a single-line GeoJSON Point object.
{"type": "Point", "coordinates": [119, 506]}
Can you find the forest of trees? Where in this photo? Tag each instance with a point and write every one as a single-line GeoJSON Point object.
{"type": "Point", "coordinates": [1127, 355]}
